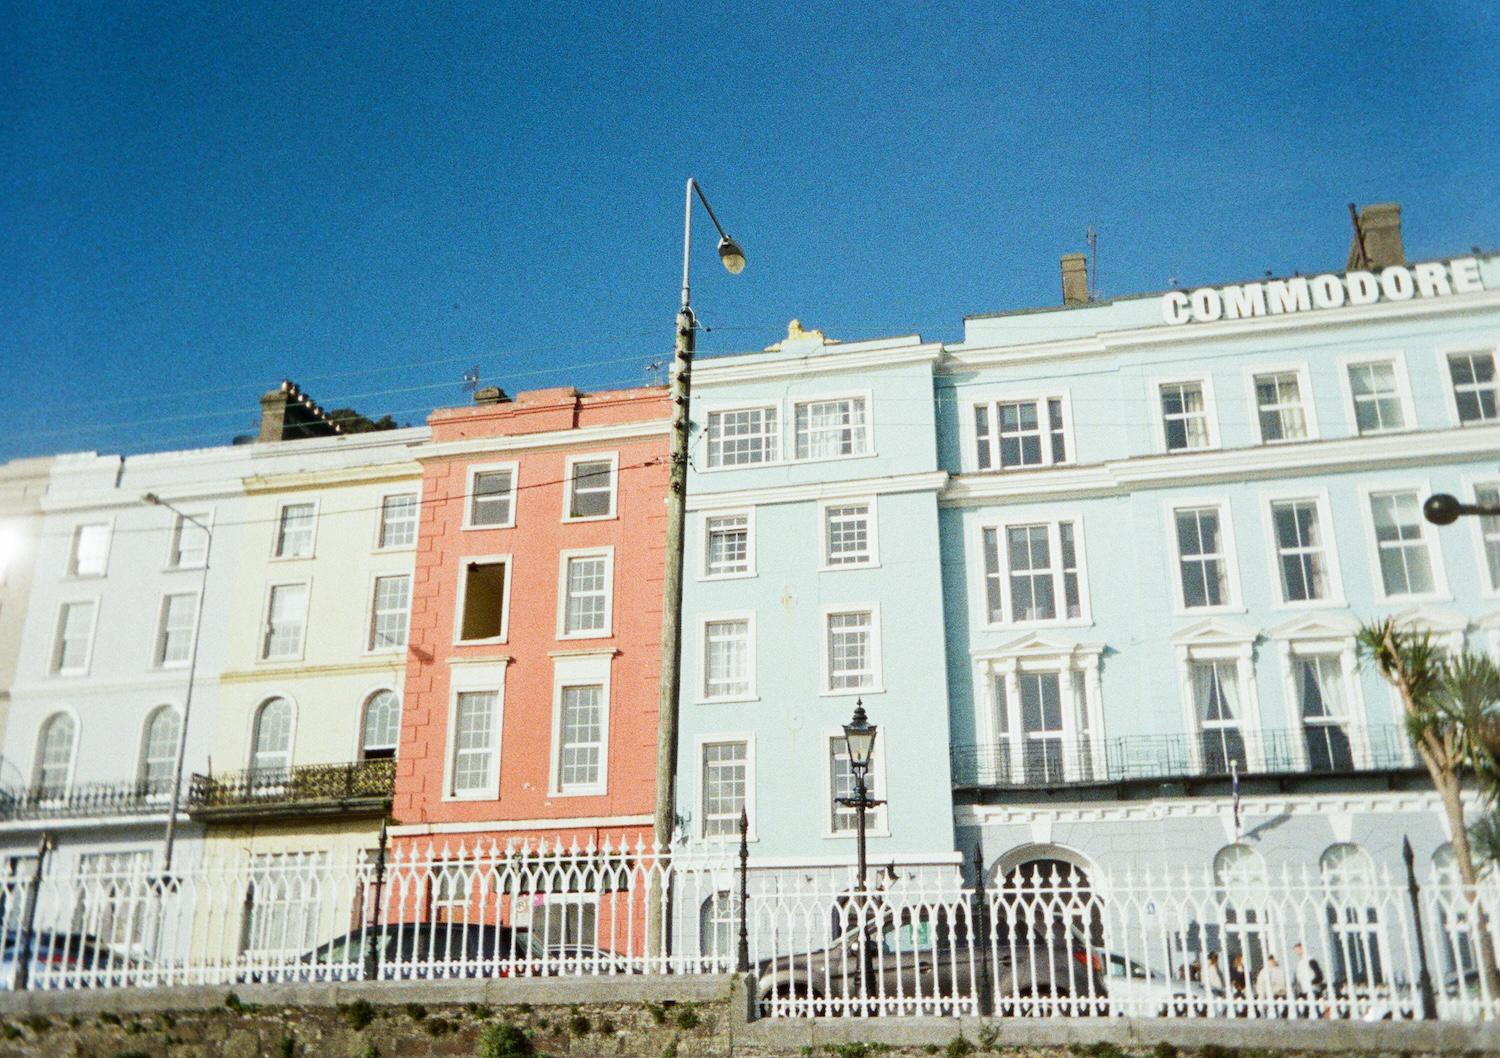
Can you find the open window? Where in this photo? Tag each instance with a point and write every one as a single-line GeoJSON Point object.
{"type": "Point", "coordinates": [486, 584]}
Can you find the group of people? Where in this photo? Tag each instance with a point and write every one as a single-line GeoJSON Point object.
{"type": "Point", "coordinates": [1305, 983]}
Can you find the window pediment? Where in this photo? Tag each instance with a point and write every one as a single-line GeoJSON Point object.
{"type": "Point", "coordinates": [1041, 645]}
{"type": "Point", "coordinates": [1430, 619]}
{"type": "Point", "coordinates": [1214, 631]}
{"type": "Point", "coordinates": [1316, 626]}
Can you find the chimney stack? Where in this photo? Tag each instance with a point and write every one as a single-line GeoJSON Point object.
{"type": "Point", "coordinates": [1377, 239]}
{"type": "Point", "coordinates": [1075, 279]}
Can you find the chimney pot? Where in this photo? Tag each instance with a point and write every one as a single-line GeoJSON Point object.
{"type": "Point", "coordinates": [1380, 224]}
{"type": "Point", "coordinates": [1075, 279]}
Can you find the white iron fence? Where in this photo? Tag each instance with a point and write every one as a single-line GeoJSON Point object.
{"type": "Point", "coordinates": [1299, 945]}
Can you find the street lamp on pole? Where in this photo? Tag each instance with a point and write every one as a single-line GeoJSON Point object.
{"type": "Point", "coordinates": [859, 738]}
{"type": "Point", "coordinates": [187, 701]}
{"type": "Point", "coordinates": [1443, 509]}
{"type": "Point", "coordinates": [664, 819]}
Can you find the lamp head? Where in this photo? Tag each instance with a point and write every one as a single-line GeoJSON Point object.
{"type": "Point", "coordinates": [859, 734]}
{"type": "Point", "coordinates": [1442, 509]}
{"type": "Point", "coordinates": [732, 255]}
{"type": "Point", "coordinates": [152, 498]}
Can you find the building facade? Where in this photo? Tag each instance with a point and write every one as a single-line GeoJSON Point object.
{"type": "Point", "coordinates": [1167, 519]}
{"type": "Point", "coordinates": [23, 483]}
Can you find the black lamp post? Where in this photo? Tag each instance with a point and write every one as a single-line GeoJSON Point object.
{"type": "Point", "coordinates": [859, 737]}
{"type": "Point", "coordinates": [1443, 509]}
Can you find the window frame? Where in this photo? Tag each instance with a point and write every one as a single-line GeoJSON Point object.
{"type": "Point", "coordinates": [462, 594]}
{"type": "Point", "coordinates": [262, 645]}
{"type": "Point", "coordinates": [1450, 395]}
{"type": "Point", "coordinates": [991, 405]}
{"type": "Point", "coordinates": [364, 712]}
{"type": "Point", "coordinates": [1430, 541]}
{"type": "Point", "coordinates": [158, 651]}
{"type": "Point", "coordinates": [704, 620]}
{"type": "Point", "coordinates": [789, 425]}
{"type": "Point", "coordinates": [1471, 484]}
{"type": "Point", "coordinates": [1397, 359]}
{"type": "Point", "coordinates": [1327, 643]}
{"type": "Point", "coordinates": [472, 471]}
{"type": "Point", "coordinates": [54, 661]}
{"type": "Point", "coordinates": [1334, 598]}
{"type": "Point", "coordinates": [1075, 663]}
{"type": "Point", "coordinates": [315, 502]}
{"type": "Point", "coordinates": [487, 679]}
{"type": "Point", "coordinates": [748, 513]}
{"type": "Point", "coordinates": [778, 435]}
{"type": "Point", "coordinates": [564, 559]}
{"type": "Point", "coordinates": [143, 745]}
{"type": "Point", "coordinates": [589, 670]}
{"type": "Point", "coordinates": [877, 790]}
{"type": "Point", "coordinates": [980, 585]}
{"type": "Point", "coordinates": [71, 571]}
{"type": "Point", "coordinates": [33, 781]}
{"type": "Point", "coordinates": [700, 743]}
{"type": "Point", "coordinates": [1309, 405]}
{"type": "Point", "coordinates": [416, 528]}
{"type": "Point", "coordinates": [872, 533]}
{"type": "Point", "coordinates": [569, 465]}
{"type": "Point", "coordinates": [371, 594]}
{"type": "Point", "coordinates": [265, 699]}
{"type": "Point", "coordinates": [1235, 602]}
{"type": "Point", "coordinates": [877, 684]}
{"type": "Point", "coordinates": [1210, 640]}
{"type": "Point", "coordinates": [174, 537]}
{"type": "Point", "coordinates": [1210, 413]}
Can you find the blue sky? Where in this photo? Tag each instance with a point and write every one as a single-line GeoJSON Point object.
{"type": "Point", "coordinates": [204, 198]}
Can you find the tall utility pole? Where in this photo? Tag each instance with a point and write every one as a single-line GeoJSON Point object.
{"type": "Point", "coordinates": [671, 607]}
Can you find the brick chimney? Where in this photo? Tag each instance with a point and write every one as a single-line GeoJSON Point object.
{"type": "Point", "coordinates": [1075, 279]}
{"type": "Point", "coordinates": [1377, 241]}
{"type": "Point", "coordinates": [287, 413]}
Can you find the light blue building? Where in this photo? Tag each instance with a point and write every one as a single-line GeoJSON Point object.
{"type": "Point", "coordinates": [811, 582]}
{"type": "Point", "coordinates": [1168, 515]}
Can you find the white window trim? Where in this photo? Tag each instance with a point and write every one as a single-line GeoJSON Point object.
{"type": "Point", "coordinates": [1471, 484]}
{"type": "Point", "coordinates": [291, 738]}
{"type": "Point", "coordinates": [489, 678]}
{"type": "Point", "coordinates": [872, 529]}
{"type": "Point", "coordinates": [1397, 360]}
{"type": "Point", "coordinates": [357, 751]}
{"type": "Point", "coordinates": [369, 629]}
{"type": "Point", "coordinates": [563, 557]}
{"type": "Point", "coordinates": [140, 735]}
{"type": "Point", "coordinates": [109, 548]}
{"type": "Point", "coordinates": [719, 408]}
{"type": "Point", "coordinates": [415, 492]}
{"type": "Point", "coordinates": [57, 631]}
{"type": "Point", "coordinates": [265, 622]}
{"type": "Point", "coordinates": [698, 744]}
{"type": "Point", "coordinates": [461, 595]}
{"type": "Point", "coordinates": [969, 458]}
{"type": "Point", "coordinates": [1293, 647]}
{"type": "Point", "coordinates": [589, 670]}
{"type": "Point", "coordinates": [1423, 489]}
{"type": "Point", "coordinates": [1221, 503]}
{"type": "Point", "coordinates": [1319, 496]}
{"type": "Point", "coordinates": [161, 623]}
{"type": "Point", "coordinates": [789, 426]}
{"type": "Point", "coordinates": [1213, 641]}
{"type": "Point", "coordinates": [726, 512]}
{"type": "Point", "coordinates": [613, 459]}
{"type": "Point", "coordinates": [704, 619]}
{"type": "Point", "coordinates": [980, 590]}
{"type": "Point", "coordinates": [825, 690]}
{"type": "Point", "coordinates": [36, 747]}
{"type": "Point", "coordinates": [876, 788]}
{"type": "Point", "coordinates": [1071, 663]}
{"type": "Point", "coordinates": [204, 515]}
{"type": "Point", "coordinates": [1304, 393]}
{"type": "Point", "coordinates": [1210, 412]}
{"type": "Point", "coordinates": [1450, 399]}
{"type": "Point", "coordinates": [316, 502]}
{"type": "Point", "coordinates": [472, 471]}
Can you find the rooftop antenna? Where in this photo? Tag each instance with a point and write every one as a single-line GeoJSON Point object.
{"type": "Point", "coordinates": [1093, 238]}
{"type": "Point", "coordinates": [656, 372]}
{"type": "Point", "coordinates": [471, 380]}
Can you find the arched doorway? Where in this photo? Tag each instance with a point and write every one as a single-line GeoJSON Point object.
{"type": "Point", "coordinates": [1045, 893]}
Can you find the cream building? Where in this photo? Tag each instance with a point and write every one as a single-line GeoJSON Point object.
{"type": "Point", "coordinates": [23, 483]}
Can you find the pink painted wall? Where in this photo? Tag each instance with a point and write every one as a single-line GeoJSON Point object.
{"type": "Point", "coordinates": [637, 534]}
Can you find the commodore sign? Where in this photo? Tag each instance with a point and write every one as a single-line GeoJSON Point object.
{"type": "Point", "coordinates": [1278, 297]}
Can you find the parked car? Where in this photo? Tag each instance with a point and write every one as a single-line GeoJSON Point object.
{"type": "Point", "coordinates": [915, 962]}
{"type": "Point", "coordinates": [409, 951]}
{"type": "Point", "coordinates": [87, 962]}
{"type": "Point", "coordinates": [576, 960]}
{"type": "Point", "coordinates": [1136, 990]}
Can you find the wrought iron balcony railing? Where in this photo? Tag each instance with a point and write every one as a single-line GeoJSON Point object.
{"type": "Point", "coordinates": [85, 801]}
{"type": "Point", "coordinates": [366, 785]}
{"type": "Point", "coordinates": [1034, 762]}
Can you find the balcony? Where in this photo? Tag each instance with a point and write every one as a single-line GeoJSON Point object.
{"type": "Point", "coordinates": [83, 801]}
{"type": "Point", "coordinates": [1045, 763]}
{"type": "Point", "coordinates": [354, 788]}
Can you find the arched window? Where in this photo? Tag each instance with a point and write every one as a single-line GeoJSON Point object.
{"type": "Point", "coordinates": [54, 754]}
{"type": "Point", "coordinates": [382, 726]}
{"type": "Point", "coordinates": [159, 750]}
{"type": "Point", "coordinates": [272, 750]}
{"type": "Point", "coordinates": [1354, 926]}
{"type": "Point", "coordinates": [718, 930]}
{"type": "Point", "coordinates": [1242, 883]}
{"type": "Point", "coordinates": [1455, 915]}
